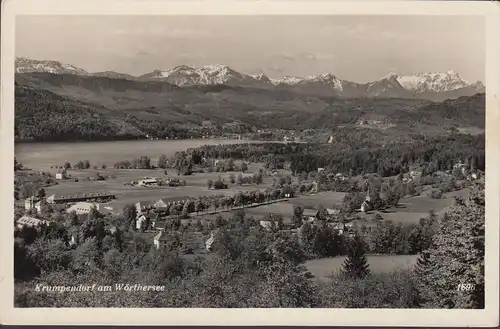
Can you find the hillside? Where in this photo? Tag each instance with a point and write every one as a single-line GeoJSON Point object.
{"type": "Point", "coordinates": [152, 106]}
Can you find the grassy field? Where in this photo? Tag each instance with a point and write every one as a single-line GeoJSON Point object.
{"type": "Point", "coordinates": [410, 210]}
{"type": "Point", "coordinates": [196, 185]}
{"type": "Point", "coordinates": [323, 268]}
{"type": "Point", "coordinates": [327, 199]}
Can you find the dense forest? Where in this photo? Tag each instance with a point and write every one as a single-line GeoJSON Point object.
{"type": "Point", "coordinates": [353, 156]}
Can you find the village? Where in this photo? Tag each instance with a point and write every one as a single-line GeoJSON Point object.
{"type": "Point", "coordinates": [273, 205]}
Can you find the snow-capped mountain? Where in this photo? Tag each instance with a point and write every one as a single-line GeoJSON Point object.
{"type": "Point", "coordinates": [432, 86]}
{"type": "Point", "coordinates": [433, 82]}
{"type": "Point", "coordinates": [24, 65]}
{"type": "Point", "coordinates": [184, 75]}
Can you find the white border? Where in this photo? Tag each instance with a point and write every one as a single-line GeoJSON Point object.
{"type": "Point", "coordinates": [313, 317]}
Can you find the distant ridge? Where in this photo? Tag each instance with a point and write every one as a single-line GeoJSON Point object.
{"type": "Point", "coordinates": [433, 86]}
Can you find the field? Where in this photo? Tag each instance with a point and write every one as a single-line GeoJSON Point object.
{"type": "Point", "coordinates": [411, 209]}
{"type": "Point", "coordinates": [327, 199]}
{"type": "Point", "coordinates": [196, 185]}
{"type": "Point", "coordinates": [324, 267]}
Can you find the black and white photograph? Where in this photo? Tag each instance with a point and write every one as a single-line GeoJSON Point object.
{"type": "Point", "coordinates": [250, 161]}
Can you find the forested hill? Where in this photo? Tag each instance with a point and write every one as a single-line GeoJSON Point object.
{"type": "Point", "coordinates": [97, 108]}
{"type": "Point", "coordinates": [43, 116]}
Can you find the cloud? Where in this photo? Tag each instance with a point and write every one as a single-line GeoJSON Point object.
{"type": "Point", "coordinates": [161, 31]}
{"type": "Point", "coordinates": [276, 69]}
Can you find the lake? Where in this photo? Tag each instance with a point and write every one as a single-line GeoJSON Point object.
{"type": "Point", "coordinates": [44, 155]}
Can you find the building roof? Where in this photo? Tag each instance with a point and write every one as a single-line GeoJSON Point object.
{"type": "Point", "coordinates": [144, 204]}
{"type": "Point", "coordinates": [310, 212]}
{"type": "Point", "coordinates": [331, 211]}
{"type": "Point", "coordinates": [30, 221]}
{"type": "Point", "coordinates": [149, 180]}
{"type": "Point", "coordinates": [84, 206]}
{"type": "Point", "coordinates": [55, 197]}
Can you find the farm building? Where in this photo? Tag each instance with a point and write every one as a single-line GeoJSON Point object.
{"type": "Point", "coordinates": [27, 221]}
{"type": "Point", "coordinates": [83, 208]}
{"type": "Point", "coordinates": [310, 214]}
{"type": "Point", "coordinates": [91, 197]}
{"type": "Point", "coordinates": [61, 175]}
{"type": "Point", "coordinates": [148, 182]}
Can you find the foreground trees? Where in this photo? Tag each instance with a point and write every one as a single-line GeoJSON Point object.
{"type": "Point", "coordinates": [455, 257]}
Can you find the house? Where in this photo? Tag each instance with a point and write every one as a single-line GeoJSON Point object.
{"type": "Point", "coordinates": [311, 214]}
{"type": "Point", "coordinates": [27, 221]}
{"type": "Point", "coordinates": [148, 182]}
{"type": "Point", "coordinates": [365, 206]}
{"type": "Point", "coordinates": [267, 224]}
{"type": "Point", "coordinates": [161, 205]}
{"type": "Point", "coordinates": [143, 206]}
{"type": "Point", "coordinates": [320, 170]}
{"type": "Point", "coordinates": [141, 219]}
{"type": "Point", "coordinates": [330, 140]}
{"type": "Point", "coordinates": [160, 240]}
{"type": "Point", "coordinates": [83, 208]}
{"type": "Point", "coordinates": [332, 212]}
{"type": "Point", "coordinates": [33, 203]}
{"type": "Point", "coordinates": [61, 175]}
{"type": "Point", "coordinates": [475, 175]}
{"type": "Point", "coordinates": [340, 227]}
{"type": "Point", "coordinates": [415, 174]}
{"type": "Point", "coordinates": [209, 243]}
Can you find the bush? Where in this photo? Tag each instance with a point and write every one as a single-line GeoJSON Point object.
{"type": "Point", "coordinates": [436, 194]}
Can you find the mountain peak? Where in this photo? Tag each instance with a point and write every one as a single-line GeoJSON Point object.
{"type": "Point", "coordinates": [25, 65]}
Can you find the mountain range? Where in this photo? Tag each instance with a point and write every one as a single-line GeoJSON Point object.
{"type": "Point", "coordinates": [429, 86]}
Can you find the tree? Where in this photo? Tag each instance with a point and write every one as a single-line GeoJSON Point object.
{"type": "Point", "coordinates": [298, 211]}
{"type": "Point", "coordinates": [41, 193]}
{"type": "Point", "coordinates": [86, 164]}
{"type": "Point", "coordinates": [162, 161]}
{"type": "Point", "coordinates": [130, 214]}
{"type": "Point", "coordinates": [232, 178]}
{"type": "Point", "coordinates": [239, 179]}
{"type": "Point", "coordinates": [244, 167]}
{"type": "Point", "coordinates": [356, 263]}
{"type": "Point", "coordinates": [67, 165]}
{"type": "Point", "coordinates": [456, 256]}
{"type": "Point", "coordinates": [198, 206]}
{"type": "Point", "coordinates": [210, 183]}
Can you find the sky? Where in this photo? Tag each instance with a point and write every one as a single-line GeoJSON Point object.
{"type": "Point", "coordinates": [355, 48]}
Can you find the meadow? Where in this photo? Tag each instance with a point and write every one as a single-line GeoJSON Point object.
{"type": "Point", "coordinates": [324, 267]}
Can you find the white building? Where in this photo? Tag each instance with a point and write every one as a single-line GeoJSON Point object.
{"type": "Point", "coordinates": [33, 203]}
{"type": "Point", "coordinates": [83, 208]}
{"type": "Point", "coordinates": [61, 175]}
{"type": "Point", "coordinates": [148, 182]}
{"type": "Point", "coordinates": [160, 240]}
{"type": "Point", "coordinates": [27, 221]}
